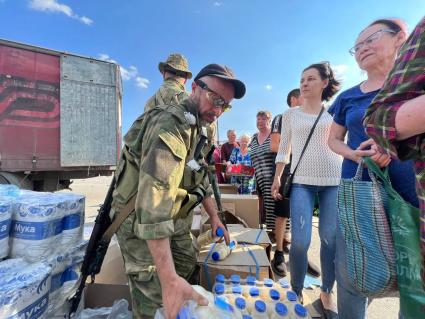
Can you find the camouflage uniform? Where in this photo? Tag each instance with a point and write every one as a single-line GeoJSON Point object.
{"type": "Point", "coordinates": [153, 164]}
{"type": "Point", "coordinates": [171, 91]}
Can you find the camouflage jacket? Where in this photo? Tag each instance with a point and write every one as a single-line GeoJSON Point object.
{"type": "Point", "coordinates": [153, 164]}
{"type": "Point", "coordinates": [170, 92]}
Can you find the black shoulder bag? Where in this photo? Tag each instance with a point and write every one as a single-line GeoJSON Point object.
{"type": "Point", "coordinates": [285, 188]}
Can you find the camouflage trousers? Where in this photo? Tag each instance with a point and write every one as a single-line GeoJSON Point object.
{"type": "Point", "coordinates": [145, 288]}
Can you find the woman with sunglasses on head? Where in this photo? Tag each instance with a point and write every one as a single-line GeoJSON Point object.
{"type": "Point", "coordinates": [375, 51]}
{"type": "Point", "coordinates": [305, 131]}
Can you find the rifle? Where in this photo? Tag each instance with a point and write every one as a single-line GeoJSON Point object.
{"type": "Point", "coordinates": [96, 248]}
{"type": "Point", "coordinates": [213, 180]}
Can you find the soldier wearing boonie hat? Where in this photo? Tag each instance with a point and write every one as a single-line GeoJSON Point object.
{"type": "Point", "coordinates": [162, 168]}
{"type": "Point", "coordinates": [175, 72]}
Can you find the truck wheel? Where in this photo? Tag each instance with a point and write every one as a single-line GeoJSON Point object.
{"type": "Point", "coordinates": [17, 179]}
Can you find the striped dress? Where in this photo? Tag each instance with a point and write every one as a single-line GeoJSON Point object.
{"type": "Point", "coordinates": [263, 162]}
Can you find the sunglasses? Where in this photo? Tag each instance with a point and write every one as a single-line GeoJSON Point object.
{"type": "Point", "coordinates": [214, 97]}
{"type": "Point", "coordinates": [369, 40]}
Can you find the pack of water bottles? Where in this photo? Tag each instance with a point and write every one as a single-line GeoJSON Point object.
{"type": "Point", "coordinates": [251, 298]}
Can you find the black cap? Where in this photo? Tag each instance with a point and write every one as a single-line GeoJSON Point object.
{"type": "Point", "coordinates": [223, 72]}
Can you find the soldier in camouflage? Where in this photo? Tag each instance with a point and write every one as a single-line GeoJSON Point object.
{"type": "Point", "coordinates": [175, 72]}
{"type": "Point", "coordinates": [161, 165]}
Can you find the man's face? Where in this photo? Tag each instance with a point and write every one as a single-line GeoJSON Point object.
{"type": "Point", "coordinates": [208, 112]}
{"type": "Point", "coordinates": [231, 136]}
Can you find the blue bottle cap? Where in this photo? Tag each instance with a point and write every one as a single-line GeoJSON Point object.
{"type": "Point", "coordinates": [240, 303]}
{"type": "Point", "coordinates": [260, 306]}
{"type": "Point", "coordinates": [254, 292]}
{"type": "Point", "coordinates": [215, 256]}
{"type": "Point", "coordinates": [281, 309]}
{"type": "Point", "coordinates": [219, 289]}
{"type": "Point", "coordinates": [300, 310]}
{"type": "Point", "coordinates": [232, 244]}
{"type": "Point", "coordinates": [237, 290]}
{"type": "Point", "coordinates": [268, 282]}
{"type": "Point", "coordinates": [220, 278]}
{"type": "Point", "coordinates": [291, 296]}
{"type": "Point", "coordinates": [246, 317]}
{"type": "Point", "coordinates": [235, 279]}
{"type": "Point", "coordinates": [274, 294]}
{"type": "Point", "coordinates": [219, 232]}
{"type": "Point", "coordinates": [284, 283]}
{"type": "Point", "coordinates": [250, 280]}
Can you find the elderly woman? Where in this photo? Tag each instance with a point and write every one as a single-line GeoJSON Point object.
{"type": "Point", "coordinates": [263, 162]}
{"type": "Point", "coordinates": [375, 51]}
{"type": "Point", "coordinates": [242, 155]}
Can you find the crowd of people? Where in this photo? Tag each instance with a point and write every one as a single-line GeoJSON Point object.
{"type": "Point", "coordinates": [382, 118]}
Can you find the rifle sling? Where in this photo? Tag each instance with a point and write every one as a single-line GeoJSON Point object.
{"type": "Point", "coordinates": [125, 212]}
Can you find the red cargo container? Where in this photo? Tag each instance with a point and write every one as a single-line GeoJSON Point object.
{"type": "Point", "coordinates": [59, 116]}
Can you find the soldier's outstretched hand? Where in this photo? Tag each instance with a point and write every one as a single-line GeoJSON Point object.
{"type": "Point", "coordinates": [175, 293]}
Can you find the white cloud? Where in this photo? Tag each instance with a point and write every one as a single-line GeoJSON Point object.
{"type": "Point", "coordinates": [340, 70]}
{"type": "Point", "coordinates": [56, 7]}
{"type": "Point", "coordinates": [268, 87]}
{"type": "Point", "coordinates": [127, 74]}
{"type": "Point", "coordinates": [142, 82]}
{"type": "Point", "coordinates": [217, 4]}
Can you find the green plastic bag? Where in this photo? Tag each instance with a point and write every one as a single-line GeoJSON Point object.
{"type": "Point", "coordinates": [404, 220]}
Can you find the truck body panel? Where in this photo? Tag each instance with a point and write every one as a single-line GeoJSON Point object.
{"type": "Point", "coordinates": [59, 113]}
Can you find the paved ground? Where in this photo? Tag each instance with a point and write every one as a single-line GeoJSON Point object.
{"type": "Point", "coordinates": [95, 189]}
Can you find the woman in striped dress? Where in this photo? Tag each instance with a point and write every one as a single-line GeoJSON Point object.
{"type": "Point", "coordinates": [263, 162]}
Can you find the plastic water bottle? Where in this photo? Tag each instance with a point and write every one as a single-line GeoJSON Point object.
{"type": "Point", "coordinates": [219, 289]}
{"type": "Point", "coordinates": [208, 237]}
{"type": "Point", "coordinates": [282, 286]}
{"type": "Point", "coordinates": [253, 296]}
{"type": "Point", "coordinates": [301, 312]}
{"type": "Point", "coordinates": [280, 311]}
{"type": "Point", "coordinates": [250, 282]}
{"type": "Point", "coordinates": [272, 300]}
{"type": "Point", "coordinates": [265, 290]}
{"type": "Point", "coordinates": [221, 251]}
{"type": "Point", "coordinates": [240, 305]}
{"type": "Point", "coordinates": [260, 310]}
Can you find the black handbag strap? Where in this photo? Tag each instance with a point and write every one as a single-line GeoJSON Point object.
{"type": "Point", "coordinates": [308, 138]}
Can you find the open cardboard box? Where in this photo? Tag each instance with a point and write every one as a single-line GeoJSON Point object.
{"type": "Point", "coordinates": [243, 206]}
{"type": "Point", "coordinates": [228, 189]}
{"type": "Point", "coordinates": [111, 283]}
{"type": "Point", "coordinates": [245, 260]}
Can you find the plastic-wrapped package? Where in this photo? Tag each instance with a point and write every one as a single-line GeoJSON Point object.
{"type": "Point", "coordinates": [9, 190]}
{"type": "Point", "coordinates": [66, 270]}
{"type": "Point", "coordinates": [36, 226]}
{"type": "Point", "coordinates": [24, 292]}
{"type": "Point", "coordinates": [73, 219]}
{"type": "Point", "coordinates": [118, 311]}
{"type": "Point", "coordinates": [6, 208]}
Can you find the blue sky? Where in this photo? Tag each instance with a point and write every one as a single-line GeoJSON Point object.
{"type": "Point", "coordinates": [266, 42]}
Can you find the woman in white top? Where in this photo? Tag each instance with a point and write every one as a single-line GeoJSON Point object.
{"type": "Point", "coordinates": [318, 174]}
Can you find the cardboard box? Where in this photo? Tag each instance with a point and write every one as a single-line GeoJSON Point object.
{"type": "Point", "coordinates": [228, 189]}
{"type": "Point", "coordinates": [242, 261]}
{"type": "Point", "coordinates": [113, 271]}
{"type": "Point", "coordinates": [111, 283]}
{"type": "Point", "coordinates": [231, 220]}
{"type": "Point", "coordinates": [251, 236]}
{"type": "Point", "coordinates": [243, 206]}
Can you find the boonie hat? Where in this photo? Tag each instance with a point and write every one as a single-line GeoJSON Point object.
{"type": "Point", "coordinates": [225, 73]}
{"type": "Point", "coordinates": [175, 63]}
